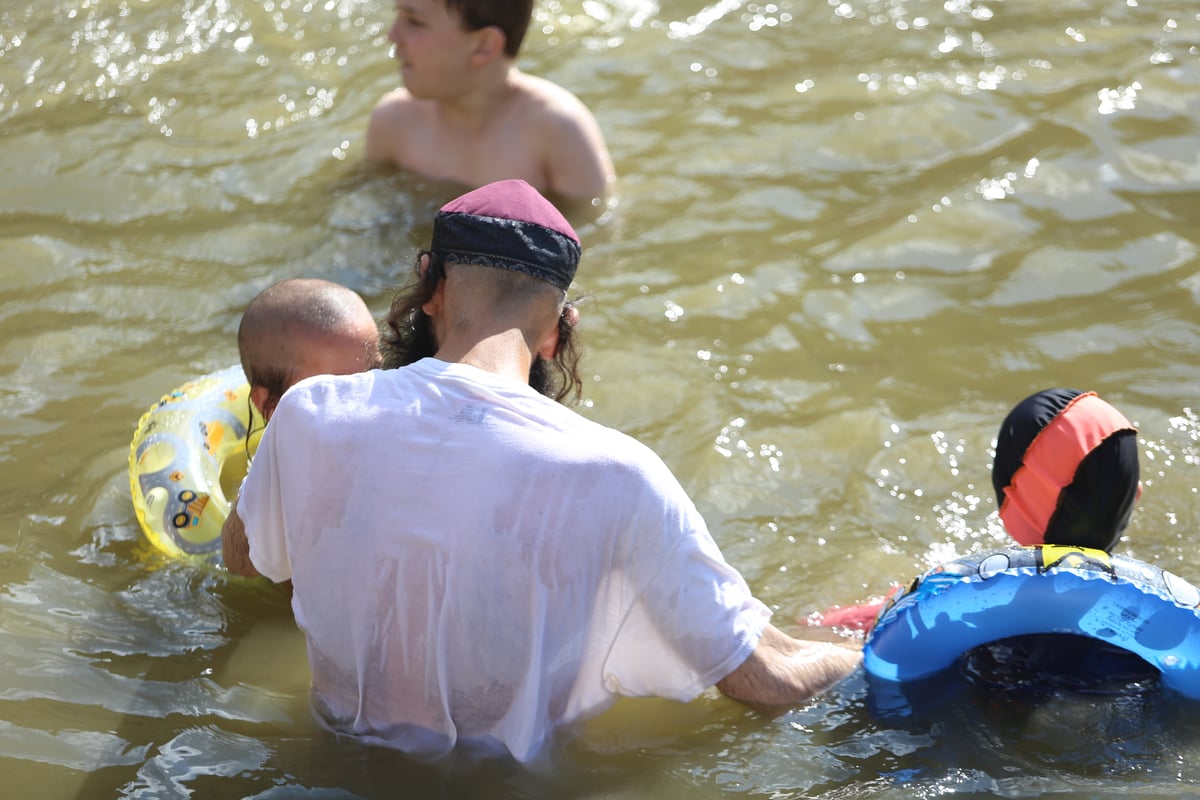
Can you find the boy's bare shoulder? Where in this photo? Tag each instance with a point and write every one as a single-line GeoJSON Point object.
{"type": "Point", "coordinates": [572, 149]}
{"type": "Point", "coordinates": [535, 129]}
{"type": "Point", "coordinates": [394, 101]}
{"type": "Point", "coordinates": [395, 117]}
{"type": "Point", "coordinates": [551, 102]}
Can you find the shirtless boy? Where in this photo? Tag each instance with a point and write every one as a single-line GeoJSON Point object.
{"type": "Point", "coordinates": [466, 114]}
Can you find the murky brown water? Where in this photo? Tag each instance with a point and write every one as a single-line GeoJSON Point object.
{"type": "Point", "coordinates": [849, 237]}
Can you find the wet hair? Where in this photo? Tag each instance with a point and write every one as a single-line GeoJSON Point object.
{"type": "Point", "coordinates": [408, 336]}
{"type": "Point", "coordinates": [408, 330]}
{"type": "Point", "coordinates": [1084, 486]}
{"type": "Point", "coordinates": [510, 16]}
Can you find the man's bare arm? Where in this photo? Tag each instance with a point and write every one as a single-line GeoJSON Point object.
{"type": "Point", "coordinates": [785, 671]}
{"type": "Point", "coordinates": [235, 547]}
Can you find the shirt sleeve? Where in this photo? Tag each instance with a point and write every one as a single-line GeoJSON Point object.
{"type": "Point", "coordinates": [261, 508]}
{"type": "Point", "coordinates": [693, 619]}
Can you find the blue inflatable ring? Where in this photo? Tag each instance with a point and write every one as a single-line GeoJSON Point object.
{"type": "Point", "coordinates": [978, 599]}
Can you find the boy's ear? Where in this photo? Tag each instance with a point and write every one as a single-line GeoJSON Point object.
{"type": "Point", "coordinates": [489, 45]}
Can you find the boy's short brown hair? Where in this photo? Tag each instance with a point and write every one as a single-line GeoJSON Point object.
{"type": "Point", "coordinates": [510, 16]}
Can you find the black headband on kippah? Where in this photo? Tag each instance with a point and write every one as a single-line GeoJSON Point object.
{"type": "Point", "coordinates": [544, 253]}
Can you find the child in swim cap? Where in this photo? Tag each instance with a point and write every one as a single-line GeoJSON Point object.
{"type": "Point", "coordinates": [1065, 473]}
{"type": "Point", "coordinates": [1066, 470]}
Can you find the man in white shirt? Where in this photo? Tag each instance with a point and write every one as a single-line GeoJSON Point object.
{"type": "Point", "coordinates": [472, 561]}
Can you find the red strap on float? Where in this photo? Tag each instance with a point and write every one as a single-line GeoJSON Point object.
{"type": "Point", "coordinates": [1050, 463]}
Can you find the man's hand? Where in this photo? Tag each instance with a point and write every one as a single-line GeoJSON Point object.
{"type": "Point", "coordinates": [235, 547]}
{"type": "Point", "coordinates": [785, 671]}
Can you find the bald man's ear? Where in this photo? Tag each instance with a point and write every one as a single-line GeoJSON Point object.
{"type": "Point", "coordinates": [261, 397]}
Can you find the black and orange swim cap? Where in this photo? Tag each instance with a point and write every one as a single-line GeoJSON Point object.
{"type": "Point", "coordinates": [1066, 470]}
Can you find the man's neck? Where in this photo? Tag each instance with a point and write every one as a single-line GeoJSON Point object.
{"type": "Point", "coordinates": [503, 353]}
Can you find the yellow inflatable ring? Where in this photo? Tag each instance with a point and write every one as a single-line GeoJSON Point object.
{"type": "Point", "coordinates": [188, 457]}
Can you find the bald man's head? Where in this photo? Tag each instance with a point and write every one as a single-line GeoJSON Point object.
{"type": "Point", "coordinates": [302, 327]}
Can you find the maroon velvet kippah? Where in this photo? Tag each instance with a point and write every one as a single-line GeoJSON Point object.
{"type": "Point", "coordinates": [512, 199]}
{"type": "Point", "coordinates": [508, 225]}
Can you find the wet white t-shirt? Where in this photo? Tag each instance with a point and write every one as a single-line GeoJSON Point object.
{"type": "Point", "coordinates": [471, 560]}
